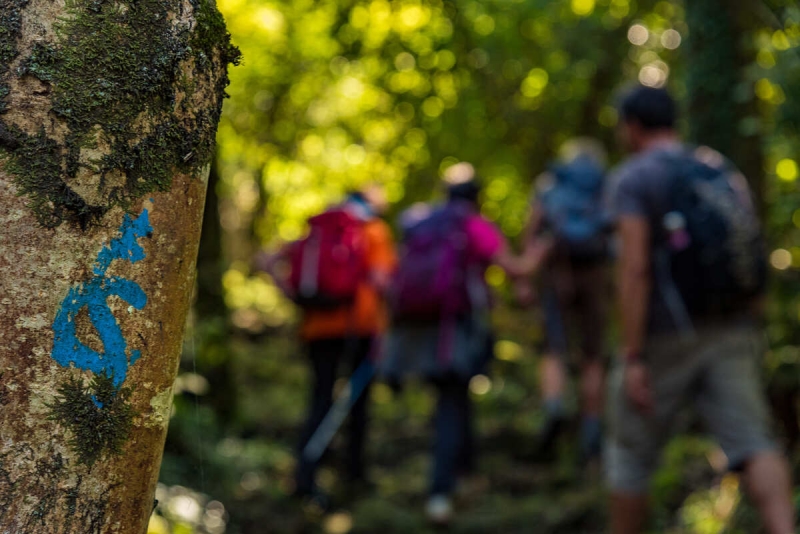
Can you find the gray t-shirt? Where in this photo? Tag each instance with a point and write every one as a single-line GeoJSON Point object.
{"type": "Point", "coordinates": [640, 186]}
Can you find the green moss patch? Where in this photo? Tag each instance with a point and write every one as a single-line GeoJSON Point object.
{"type": "Point", "coordinates": [10, 26]}
{"type": "Point", "coordinates": [115, 74]}
{"type": "Point", "coordinates": [98, 417]}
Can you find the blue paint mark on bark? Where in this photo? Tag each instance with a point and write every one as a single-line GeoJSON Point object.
{"type": "Point", "coordinates": [93, 295]}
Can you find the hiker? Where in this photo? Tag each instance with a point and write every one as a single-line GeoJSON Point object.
{"type": "Point", "coordinates": [340, 286]}
{"type": "Point", "coordinates": [691, 269]}
{"type": "Point", "coordinates": [441, 330]}
{"type": "Point", "coordinates": [567, 207]}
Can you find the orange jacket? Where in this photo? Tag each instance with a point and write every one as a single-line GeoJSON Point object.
{"type": "Point", "coordinates": [367, 315]}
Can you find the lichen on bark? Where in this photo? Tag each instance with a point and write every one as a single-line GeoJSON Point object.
{"type": "Point", "coordinates": [116, 79]}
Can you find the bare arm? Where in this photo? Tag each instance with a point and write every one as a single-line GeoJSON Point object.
{"type": "Point", "coordinates": [532, 258]}
{"type": "Point", "coordinates": [634, 281]}
{"type": "Point", "coordinates": [534, 224]}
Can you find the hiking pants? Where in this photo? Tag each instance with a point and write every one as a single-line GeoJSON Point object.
{"type": "Point", "coordinates": [453, 446]}
{"type": "Point", "coordinates": [326, 355]}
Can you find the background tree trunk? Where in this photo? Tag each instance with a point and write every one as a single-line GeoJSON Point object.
{"type": "Point", "coordinates": [723, 112]}
{"type": "Point", "coordinates": [213, 359]}
{"type": "Point", "coordinates": [108, 114]}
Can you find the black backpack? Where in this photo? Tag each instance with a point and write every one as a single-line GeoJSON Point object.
{"type": "Point", "coordinates": [711, 245]}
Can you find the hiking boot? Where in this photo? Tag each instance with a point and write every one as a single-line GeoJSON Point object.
{"type": "Point", "coordinates": [439, 510]}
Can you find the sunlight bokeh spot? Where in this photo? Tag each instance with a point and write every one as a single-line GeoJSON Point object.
{"type": "Point", "coordinates": [484, 25]}
{"type": "Point", "coordinates": [764, 89]}
{"type": "Point", "coordinates": [479, 58]}
{"type": "Point", "coordinates": [312, 146]}
{"type": "Point", "coordinates": [359, 17]}
{"type": "Point", "coordinates": [404, 61]}
{"type": "Point", "coordinates": [270, 20]}
{"type": "Point", "coordinates": [780, 41]}
{"type": "Point", "coordinates": [251, 481]}
{"type": "Point", "coordinates": [654, 74]}
{"type": "Point", "coordinates": [381, 393]}
{"type": "Point", "coordinates": [480, 385]}
{"type": "Point", "coordinates": [433, 106]}
{"type": "Point", "coordinates": [445, 60]}
{"type": "Point", "coordinates": [413, 17]}
{"type": "Point", "coordinates": [158, 525]}
{"type": "Point", "coordinates": [495, 276]}
{"type": "Point", "coordinates": [508, 351]}
{"type": "Point", "coordinates": [765, 59]}
{"type": "Point", "coordinates": [416, 138]}
{"type": "Point", "coordinates": [582, 8]}
{"type": "Point", "coordinates": [787, 170]}
{"type": "Point", "coordinates": [671, 39]}
{"type": "Point", "coordinates": [355, 154]}
{"type": "Point", "coordinates": [781, 259]}
{"type": "Point", "coordinates": [796, 218]}
{"type": "Point", "coordinates": [619, 8]}
{"type": "Point", "coordinates": [709, 511]}
{"type": "Point", "coordinates": [534, 84]}
{"type": "Point", "coordinates": [638, 34]}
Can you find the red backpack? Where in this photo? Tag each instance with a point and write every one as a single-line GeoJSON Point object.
{"type": "Point", "coordinates": [328, 265]}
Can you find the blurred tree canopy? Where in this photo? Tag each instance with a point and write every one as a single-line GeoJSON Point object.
{"type": "Point", "coordinates": [336, 93]}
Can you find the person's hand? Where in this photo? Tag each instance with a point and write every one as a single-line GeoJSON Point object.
{"type": "Point", "coordinates": [637, 386]}
{"type": "Point", "coordinates": [537, 251]}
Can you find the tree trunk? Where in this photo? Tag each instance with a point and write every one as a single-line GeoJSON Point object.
{"type": "Point", "coordinates": [719, 109]}
{"type": "Point", "coordinates": [108, 113]}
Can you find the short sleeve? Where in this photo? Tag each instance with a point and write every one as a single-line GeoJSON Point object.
{"type": "Point", "coordinates": [628, 197]}
{"type": "Point", "coordinates": [485, 239]}
{"type": "Point", "coordinates": [381, 253]}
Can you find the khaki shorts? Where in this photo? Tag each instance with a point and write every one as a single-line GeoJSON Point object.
{"type": "Point", "coordinates": [718, 375]}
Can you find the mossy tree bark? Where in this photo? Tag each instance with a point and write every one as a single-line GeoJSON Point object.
{"type": "Point", "coordinates": [108, 113]}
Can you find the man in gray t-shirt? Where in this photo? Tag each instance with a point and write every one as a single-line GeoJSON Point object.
{"type": "Point", "coordinates": [715, 369]}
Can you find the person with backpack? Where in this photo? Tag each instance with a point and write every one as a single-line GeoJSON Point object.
{"type": "Point", "coordinates": [339, 275]}
{"type": "Point", "coordinates": [441, 330]}
{"type": "Point", "coordinates": [692, 267]}
{"type": "Point", "coordinates": [568, 207]}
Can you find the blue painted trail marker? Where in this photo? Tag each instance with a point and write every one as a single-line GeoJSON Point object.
{"type": "Point", "coordinates": [93, 295]}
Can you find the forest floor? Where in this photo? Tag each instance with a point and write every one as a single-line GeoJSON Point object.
{"type": "Point", "coordinates": [246, 461]}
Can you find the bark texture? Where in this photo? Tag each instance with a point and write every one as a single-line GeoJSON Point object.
{"type": "Point", "coordinates": [108, 112]}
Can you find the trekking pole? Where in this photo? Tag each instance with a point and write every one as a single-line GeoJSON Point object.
{"type": "Point", "coordinates": [333, 420]}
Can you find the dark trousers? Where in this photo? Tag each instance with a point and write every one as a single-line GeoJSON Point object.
{"type": "Point", "coordinates": [453, 450]}
{"type": "Point", "coordinates": [326, 355]}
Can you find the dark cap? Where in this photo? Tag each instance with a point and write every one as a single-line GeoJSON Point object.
{"type": "Point", "coordinates": [653, 108]}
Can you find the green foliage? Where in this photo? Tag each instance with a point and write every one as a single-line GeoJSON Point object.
{"type": "Point", "coordinates": [336, 94]}
{"type": "Point", "coordinates": [98, 417]}
{"type": "Point", "coordinates": [117, 78]}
